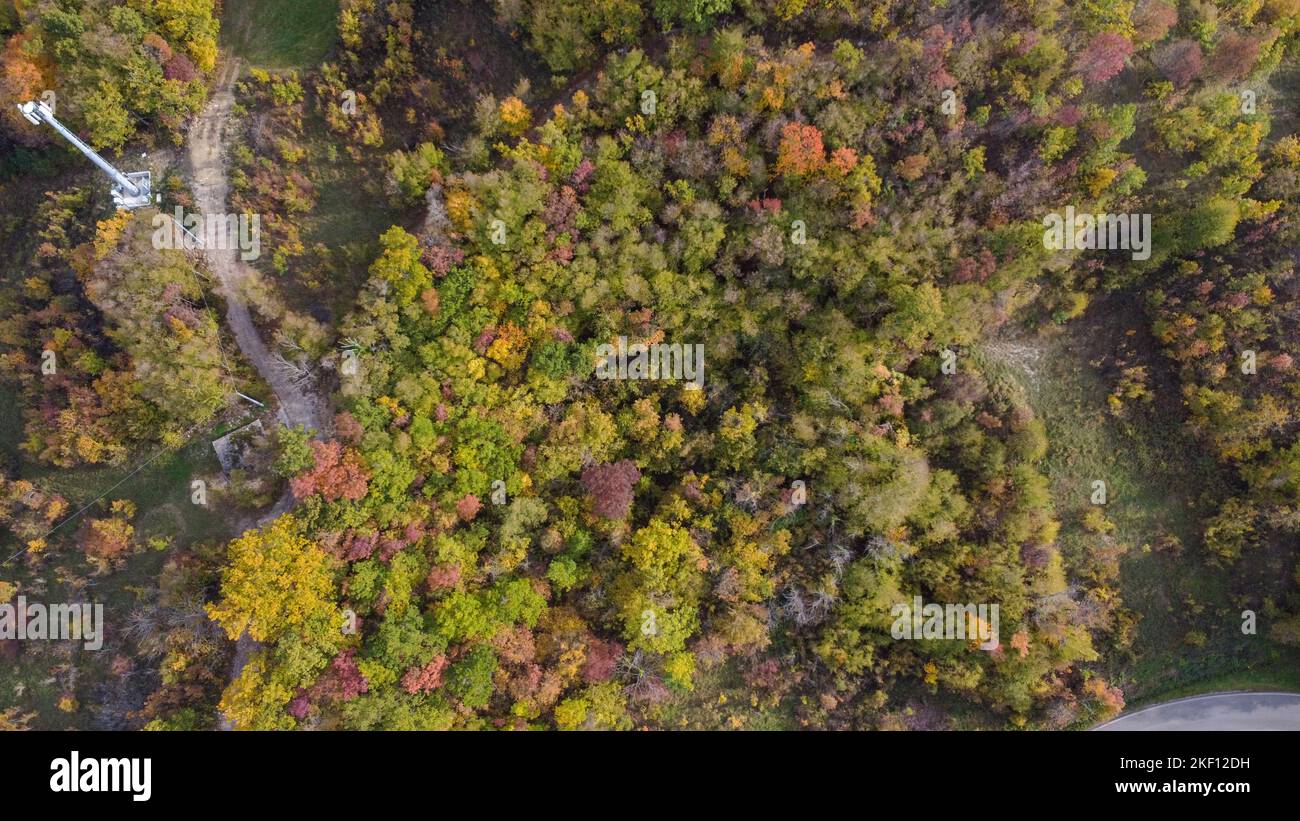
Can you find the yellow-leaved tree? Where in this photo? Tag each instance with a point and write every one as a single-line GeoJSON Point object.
{"type": "Point", "coordinates": [278, 587]}
{"type": "Point", "coordinates": [276, 581]}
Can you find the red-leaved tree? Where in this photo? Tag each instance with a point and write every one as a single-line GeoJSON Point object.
{"type": "Point", "coordinates": [425, 678]}
{"type": "Point", "coordinates": [801, 152]}
{"type": "Point", "coordinates": [1180, 61]}
{"type": "Point", "coordinates": [1234, 57]}
{"type": "Point", "coordinates": [610, 487]}
{"type": "Point", "coordinates": [337, 474]}
{"type": "Point", "coordinates": [1104, 57]}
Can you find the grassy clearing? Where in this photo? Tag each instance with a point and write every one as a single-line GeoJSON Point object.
{"type": "Point", "coordinates": [1282, 98]}
{"type": "Point", "coordinates": [1160, 483]}
{"type": "Point", "coordinates": [342, 222]}
{"type": "Point", "coordinates": [45, 671]}
{"type": "Point", "coordinates": [720, 700]}
{"type": "Point", "coordinates": [280, 33]}
{"type": "Point", "coordinates": [164, 483]}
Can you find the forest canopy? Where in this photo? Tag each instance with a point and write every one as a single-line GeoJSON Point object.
{"type": "Point", "coordinates": [668, 349]}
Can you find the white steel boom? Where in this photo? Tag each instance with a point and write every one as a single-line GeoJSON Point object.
{"type": "Point", "coordinates": [132, 190]}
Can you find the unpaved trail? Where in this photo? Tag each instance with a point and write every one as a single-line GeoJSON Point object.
{"type": "Point", "coordinates": [207, 144]}
{"type": "Point", "coordinates": [298, 404]}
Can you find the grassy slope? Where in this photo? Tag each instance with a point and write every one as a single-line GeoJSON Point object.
{"type": "Point", "coordinates": [299, 34]}
{"type": "Point", "coordinates": [1159, 482]}
{"type": "Point", "coordinates": [11, 425]}
{"type": "Point", "coordinates": [279, 33]}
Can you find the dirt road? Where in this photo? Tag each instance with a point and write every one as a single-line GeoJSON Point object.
{"type": "Point", "coordinates": [299, 405]}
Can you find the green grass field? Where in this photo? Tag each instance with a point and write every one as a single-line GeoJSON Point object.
{"type": "Point", "coordinates": [280, 33]}
{"type": "Point", "coordinates": [348, 226]}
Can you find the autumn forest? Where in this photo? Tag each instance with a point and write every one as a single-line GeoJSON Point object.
{"type": "Point", "coordinates": [385, 473]}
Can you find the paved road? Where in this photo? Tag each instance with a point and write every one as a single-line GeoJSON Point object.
{"type": "Point", "coordinates": [1217, 711]}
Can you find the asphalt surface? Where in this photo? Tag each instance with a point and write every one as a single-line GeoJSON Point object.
{"type": "Point", "coordinates": [1217, 711]}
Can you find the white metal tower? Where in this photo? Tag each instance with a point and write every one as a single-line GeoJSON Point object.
{"type": "Point", "coordinates": [133, 190]}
